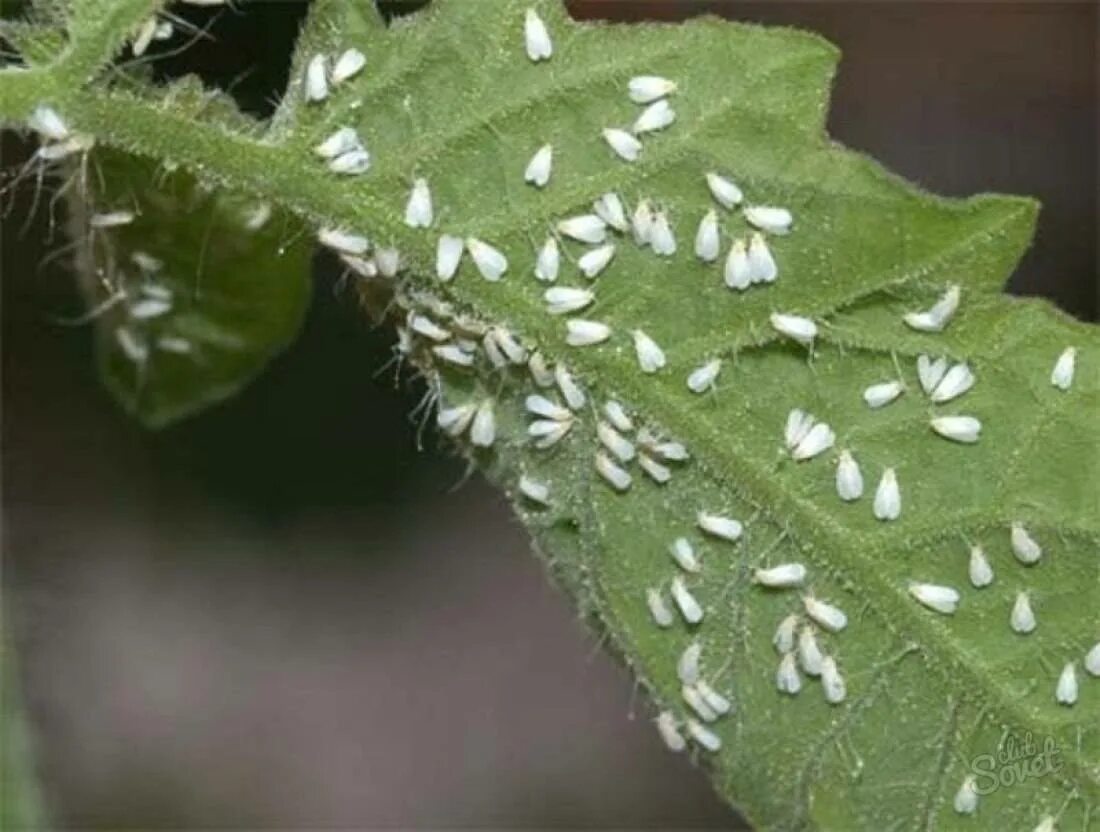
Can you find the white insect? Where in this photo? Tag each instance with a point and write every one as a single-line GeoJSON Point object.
{"type": "Point", "coordinates": [702, 379]}
{"type": "Point", "coordinates": [939, 316]}
{"type": "Point", "coordinates": [570, 390]}
{"type": "Point", "coordinates": [536, 37]}
{"type": "Point", "coordinates": [626, 145]}
{"type": "Point", "coordinates": [670, 734]}
{"type": "Point", "coordinates": [534, 490]}
{"type": "Point", "coordinates": [684, 555]}
{"type": "Point", "coordinates": [809, 654]}
{"type": "Point", "coordinates": [548, 432]}
{"type": "Point", "coordinates": [609, 208]}
{"type": "Point", "coordinates": [724, 191]}
{"type": "Point", "coordinates": [418, 211]}
{"type": "Point", "coordinates": [964, 429]}
{"type": "Point", "coordinates": [1066, 692]}
{"type": "Point", "coordinates": [619, 446]}
{"type": "Point", "coordinates": [256, 217]}
{"type": "Point", "coordinates": [687, 666]}
{"type": "Point", "coordinates": [966, 798]}
{"type": "Point", "coordinates": [828, 616]}
{"type": "Point", "coordinates": [942, 599]}
{"type": "Point", "coordinates": [641, 222]}
{"type": "Point", "coordinates": [707, 242]}
{"type": "Point", "coordinates": [1062, 375]}
{"type": "Point", "coordinates": [787, 679]}
{"type": "Point", "coordinates": [133, 346]}
{"type": "Point", "coordinates": [493, 352]}
{"type": "Point", "coordinates": [689, 607]}
{"type": "Point", "coordinates": [547, 409]}
{"type": "Point", "coordinates": [955, 382]}
{"type": "Point", "coordinates": [454, 354]}
{"type": "Point", "coordinates": [798, 425]}
{"type": "Point", "coordinates": [668, 451]}
{"type": "Point", "coordinates": [706, 738]}
{"type": "Point", "coordinates": [617, 416]}
{"type": "Point", "coordinates": [454, 420]}
{"type": "Point", "coordinates": [48, 123]}
{"type": "Point", "coordinates": [360, 266]}
{"type": "Point", "coordinates": [657, 116]}
{"type": "Point", "coordinates": [930, 372]}
{"type": "Point", "coordinates": [783, 576]}
{"type": "Point", "coordinates": [540, 373]}
{"type": "Point", "coordinates": [145, 32]}
{"type": "Point", "coordinates": [657, 472]}
{"type": "Point", "coordinates": [658, 609]}
{"type": "Point", "coordinates": [651, 357]}
{"type": "Point", "coordinates": [549, 261]}
{"type": "Point", "coordinates": [1022, 618]}
{"type": "Point", "coordinates": [716, 701]}
{"type": "Point", "coordinates": [832, 682]}
{"type": "Point", "coordinates": [888, 497]}
{"type": "Point", "coordinates": [661, 238]}
{"type": "Point", "coordinates": [316, 82]}
{"type": "Point", "coordinates": [563, 300]}
{"type": "Point", "coordinates": [448, 255]}
{"type": "Point", "coordinates": [339, 143]}
{"type": "Point", "coordinates": [425, 326]}
{"type": "Point", "coordinates": [587, 228]}
{"type": "Point", "coordinates": [615, 476]}
{"type": "Point", "coordinates": [1024, 546]}
{"type": "Point", "coordinates": [148, 308]}
{"type": "Point", "coordinates": [783, 640]}
{"type": "Point", "coordinates": [1045, 825]}
{"type": "Point", "coordinates": [146, 262]}
{"type": "Point", "coordinates": [1092, 660]}
{"type": "Point", "coordinates": [880, 395]}
{"type": "Point", "coordinates": [768, 218]}
{"type": "Point", "coordinates": [111, 219]}
{"type": "Point", "coordinates": [582, 333]}
{"type": "Point", "coordinates": [698, 703]}
{"type": "Point", "coordinates": [762, 265]}
{"type": "Point", "coordinates": [513, 351]}
{"type": "Point", "coordinates": [594, 261]}
{"type": "Point", "coordinates": [388, 261]}
{"type": "Point", "coordinates": [344, 242]}
{"type": "Point", "coordinates": [800, 329]}
{"type": "Point", "coordinates": [352, 163]}
{"type": "Point", "coordinates": [489, 261]}
{"type": "Point", "coordinates": [483, 431]}
{"type": "Point", "coordinates": [178, 346]}
{"type": "Point", "coordinates": [849, 479]}
{"type": "Point", "coordinates": [645, 89]}
{"type": "Point", "coordinates": [349, 64]}
{"type": "Point", "coordinates": [724, 528]}
{"type": "Point", "coordinates": [979, 569]}
{"type": "Point", "coordinates": [818, 440]}
{"type": "Point", "coordinates": [738, 270]}
{"type": "Point", "coordinates": [539, 168]}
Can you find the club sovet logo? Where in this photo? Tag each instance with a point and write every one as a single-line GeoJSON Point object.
{"type": "Point", "coordinates": [1016, 760]}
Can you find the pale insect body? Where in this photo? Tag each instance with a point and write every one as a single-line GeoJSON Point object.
{"type": "Point", "coordinates": [939, 316]}
{"type": "Point", "coordinates": [540, 372]}
{"type": "Point", "coordinates": [149, 308]}
{"type": "Point", "coordinates": [1022, 618]}
{"type": "Point", "coordinates": [1062, 374]}
{"type": "Point", "coordinates": [762, 265]}
{"type": "Point", "coordinates": [668, 451]}
{"type": "Point", "coordinates": [979, 570]}
{"type": "Point", "coordinates": [787, 679]}
{"type": "Point", "coordinates": [784, 638]}
{"type": "Point", "coordinates": [1065, 693]}
{"type": "Point", "coordinates": [536, 37]}
{"type": "Point", "coordinates": [738, 269]}
{"type": "Point", "coordinates": [707, 242]}
{"type": "Point", "coordinates": [832, 682]}
{"type": "Point", "coordinates": [826, 615]}
{"type": "Point", "coordinates": [641, 222]}
{"type": "Point", "coordinates": [111, 219]}
{"type": "Point", "coordinates": [661, 238]}
{"type": "Point", "coordinates": [582, 333]}
{"type": "Point", "coordinates": [882, 394]}
{"type": "Point", "coordinates": [702, 378]}
{"type": "Point", "coordinates": [388, 261]}
{"type": "Point", "coordinates": [144, 36]}
{"type": "Point", "coordinates": [612, 474]}
{"type": "Point", "coordinates": [418, 210]}
{"type": "Point", "coordinates": [724, 528]}
{"type": "Point", "coordinates": [657, 472]}
{"type": "Point", "coordinates": [651, 357]}
{"type": "Point", "coordinates": [132, 345]}
{"type": "Point", "coordinates": [954, 383]}
{"type": "Point", "coordinates": [539, 168]}
{"type": "Point", "coordinates": [797, 328]}
{"type": "Point", "coordinates": [339, 143]}
{"type": "Point", "coordinates": [798, 425]}
{"type": "Point", "coordinates": [571, 391]}
{"type": "Point", "coordinates": [483, 431]}
{"type": "Point", "coordinates": [666, 726]}
{"type": "Point", "coordinates": [724, 191]}
{"type": "Point", "coordinates": [769, 218]}
{"type": "Point", "coordinates": [687, 666]}
{"type": "Point", "coordinates": [535, 491]}
{"type": "Point", "coordinates": [455, 354]}
{"type": "Point", "coordinates": [849, 479]}
{"type": "Point", "coordinates": [887, 505]}
{"type": "Point", "coordinates": [609, 208]}
{"type": "Point", "coordinates": [617, 444]}
{"type": "Point", "coordinates": [963, 429]}
{"type": "Point", "coordinates": [809, 654]}
{"type": "Point", "coordinates": [493, 352]}
{"type": "Point", "coordinates": [547, 409]}
{"type": "Point", "coordinates": [256, 217]}
{"type": "Point", "coordinates": [706, 738]}
{"type": "Point", "coordinates": [344, 242]}
{"type": "Point", "coordinates": [1024, 546]}
{"type": "Point", "coordinates": [549, 261]}
{"type": "Point", "coordinates": [625, 145]}
{"type": "Point", "coordinates": [454, 420]}
{"type": "Point", "coordinates": [966, 798]}
{"type": "Point", "coordinates": [426, 327]}
{"type": "Point", "coordinates": [617, 416]}
{"type": "Point", "coordinates": [658, 609]}
{"type": "Point", "coordinates": [564, 300]}
{"type": "Point", "coordinates": [684, 554]}
{"type": "Point", "coordinates": [178, 346]}
{"type": "Point", "coordinates": [689, 607]}
{"type": "Point", "coordinates": [657, 116]}
{"type": "Point", "coordinates": [490, 262]}
{"type": "Point", "coordinates": [1092, 660]}
{"type": "Point", "coordinates": [348, 65]}
{"type": "Point", "coordinates": [548, 432]}
{"type": "Point", "coordinates": [1045, 825]}
{"type": "Point", "coordinates": [698, 703]}
{"type": "Point", "coordinates": [716, 701]}
{"type": "Point", "coordinates": [316, 81]}
{"type": "Point", "coordinates": [360, 266]}
{"type": "Point", "coordinates": [645, 89]}
{"type": "Point", "coordinates": [941, 599]}
{"type": "Point", "coordinates": [593, 262]}
{"type": "Point", "coordinates": [930, 372]}
{"type": "Point", "coordinates": [514, 352]}
{"type": "Point", "coordinates": [48, 123]}
{"type": "Point", "coordinates": [783, 576]}
{"type": "Point", "coordinates": [818, 440]}
{"type": "Point", "coordinates": [586, 228]}
{"type": "Point", "coordinates": [352, 163]}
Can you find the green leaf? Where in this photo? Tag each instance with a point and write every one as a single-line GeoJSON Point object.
{"type": "Point", "coordinates": [449, 95]}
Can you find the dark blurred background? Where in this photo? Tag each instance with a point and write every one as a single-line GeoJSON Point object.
{"type": "Point", "coordinates": [282, 614]}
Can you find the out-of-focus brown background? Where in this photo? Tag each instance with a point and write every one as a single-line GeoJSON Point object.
{"type": "Point", "coordinates": [281, 614]}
